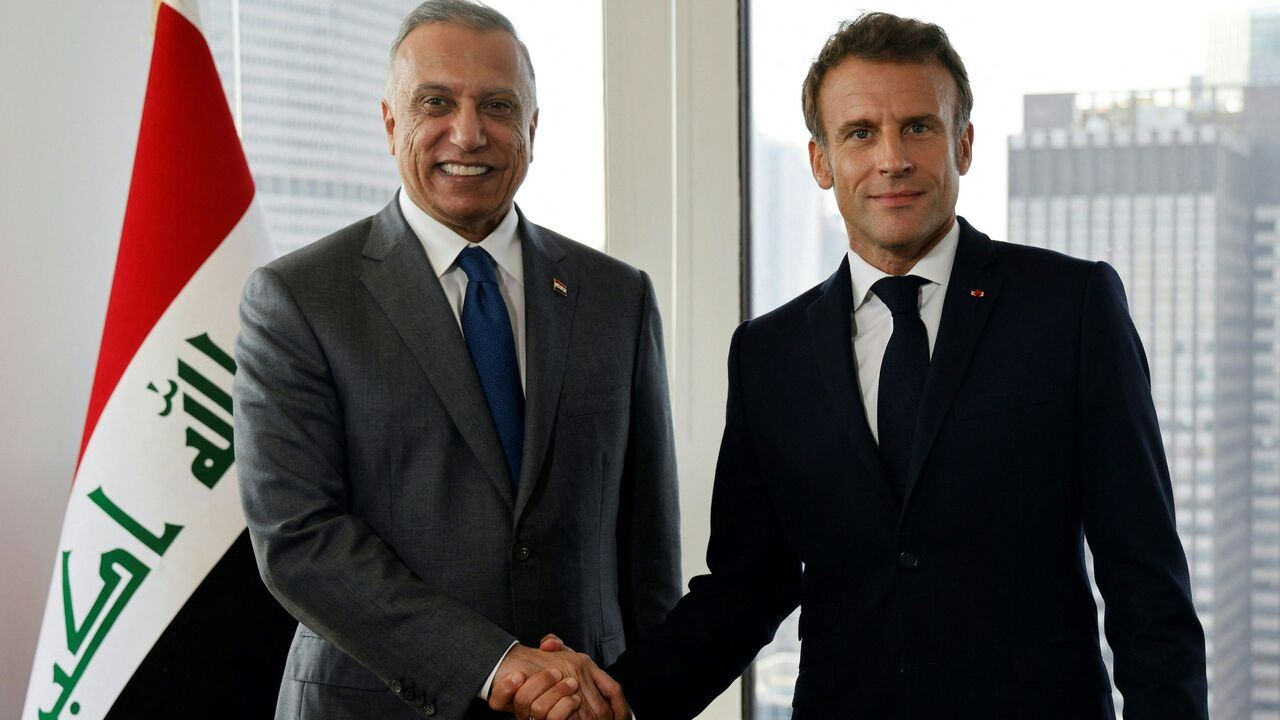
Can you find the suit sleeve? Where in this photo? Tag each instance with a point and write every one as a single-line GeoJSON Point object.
{"type": "Point", "coordinates": [1129, 520]}
{"type": "Point", "coordinates": [649, 549]}
{"type": "Point", "coordinates": [324, 564]}
{"type": "Point", "coordinates": [753, 583]}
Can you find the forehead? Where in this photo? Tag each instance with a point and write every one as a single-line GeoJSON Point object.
{"type": "Point", "coordinates": [458, 56]}
{"type": "Point", "coordinates": [855, 88]}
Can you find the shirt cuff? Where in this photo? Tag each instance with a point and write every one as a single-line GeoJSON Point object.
{"type": "Point", "coordinates": [488, 683]}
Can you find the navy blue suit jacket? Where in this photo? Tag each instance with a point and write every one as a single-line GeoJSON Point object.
{"type": "Point", "coordinates": [969, 598]}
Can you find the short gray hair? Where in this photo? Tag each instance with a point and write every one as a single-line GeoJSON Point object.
{"type": "Point", "coordinates": [468, 14]}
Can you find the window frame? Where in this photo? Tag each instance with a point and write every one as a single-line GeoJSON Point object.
{"type": "Point", "coordinates": [674, 189]}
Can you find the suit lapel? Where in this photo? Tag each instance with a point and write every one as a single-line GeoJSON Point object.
{"type": "Point", "coordinates": [405, 286]}
{"type": "Point", "coordinates": [831, 331]}
{"type": "Point", "coordinates": [548, 318]}
{"type": "Point", "coordinates": [964, 314]}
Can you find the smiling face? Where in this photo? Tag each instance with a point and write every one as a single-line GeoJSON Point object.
{"type": "Point", "coordinates": [892, 155]}
{"type": "Point", "coordinates": [460, 121]}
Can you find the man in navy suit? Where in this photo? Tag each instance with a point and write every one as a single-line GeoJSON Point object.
{"type": "Point", "coordinates": [916, 449]}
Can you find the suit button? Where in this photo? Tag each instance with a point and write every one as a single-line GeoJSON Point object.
{"type": "Point", "coordinates": [908, 560]}
{"type": "Point", "coordinates": [428, 709]}
{"type": "Point", "coordinates": [523, 552]}
{"type": "Point", "coordinates": [396, 687]}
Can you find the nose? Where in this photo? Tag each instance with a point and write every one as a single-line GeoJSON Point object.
{"type": "Point", "coordinates": [467, 132]}
{"type": "Point", "coordinates": [893, 159]}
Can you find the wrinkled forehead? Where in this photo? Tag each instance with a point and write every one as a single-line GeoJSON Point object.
{"type": "Point", "coordinates": [456, 55]}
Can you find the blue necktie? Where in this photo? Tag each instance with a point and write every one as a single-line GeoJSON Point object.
{"type": "Point", "coordinates": [487, 329]}
{"type": "Point", "coordinates": [902, 375]}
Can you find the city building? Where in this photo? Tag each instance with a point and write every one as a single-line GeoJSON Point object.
{"type": "Point", "coordinates": [1169, 187]}
{"type": "Point", "coordinates": [304, 80]}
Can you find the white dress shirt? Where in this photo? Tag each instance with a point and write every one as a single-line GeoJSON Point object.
{"type": "Point", "coordinates": [503, 245]}
{"type": "Point", "coordinates": [873, 323]}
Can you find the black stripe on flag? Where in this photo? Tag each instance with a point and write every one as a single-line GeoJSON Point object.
{"type": "Point", "coordinates": [223, 654]}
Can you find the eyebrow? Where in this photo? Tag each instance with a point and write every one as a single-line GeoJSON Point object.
{"type": "Point", "coordinates": [850, 125]}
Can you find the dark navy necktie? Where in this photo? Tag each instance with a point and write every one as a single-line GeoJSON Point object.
{"type": "Point", "coordinates": [487, 329]}
{"type": "Point", "coordinates": [902, 375]}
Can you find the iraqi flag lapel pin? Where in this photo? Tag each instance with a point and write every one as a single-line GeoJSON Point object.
{"type": "Point", "coordinates": [558, 285]}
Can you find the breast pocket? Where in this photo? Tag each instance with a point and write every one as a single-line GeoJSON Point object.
{"type": "Point", "coordinates": [1001, 401]}
{"type": "Point", "coordinates": [594, 401]}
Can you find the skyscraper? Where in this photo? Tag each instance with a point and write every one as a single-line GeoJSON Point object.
{"type": "Point", "coordinates": [304, 80]}
{"type": "Point", "coordinates": [1264, 99]}
{"type": "Point", "coordinates": [1165, 186]}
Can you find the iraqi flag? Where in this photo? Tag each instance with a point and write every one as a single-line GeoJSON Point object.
{"type": "Point", "coordinates": [155, 608]}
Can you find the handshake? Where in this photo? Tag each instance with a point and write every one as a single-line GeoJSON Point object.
{"type": "Point", "coordinates": [555, 683]}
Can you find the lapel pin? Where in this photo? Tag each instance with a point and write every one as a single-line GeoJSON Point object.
{"type": "Point", "coordinates": [977, 293]}
{"type": "Point", "coordinates": [558, 285]}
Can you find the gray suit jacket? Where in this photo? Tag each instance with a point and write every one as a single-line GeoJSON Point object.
{"type": "Point", "coordinates": [377, 495]}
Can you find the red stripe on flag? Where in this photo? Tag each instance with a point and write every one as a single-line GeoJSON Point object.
{"type": "Point", "coordinates": [190, 187]}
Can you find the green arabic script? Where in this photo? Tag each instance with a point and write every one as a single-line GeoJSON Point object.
{"type": "Point", "coordinates": [96, 622]}
{"type": "Point", "coordinates": [112, 562]}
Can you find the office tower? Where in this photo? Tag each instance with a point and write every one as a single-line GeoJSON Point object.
{"type": "Point", "coordinates": [1244, 47]}
{"type": "Point", "coordinates": [1265, 597]}
{"type": "Point", "coordinates": [305, 79]}
{"type": "Point", "coordinates": [1264, 98]}
{"type": "Point", "coordinates": [1162, 186]}
{"type": "Point", "coordinates": [1266, 467]}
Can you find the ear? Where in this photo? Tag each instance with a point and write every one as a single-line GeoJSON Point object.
{"type": "Point", "coordinates": [533, 129]}
{"type": "Point", "coordinates": [389, 122]}
{"type": "Point", "coordinates": [819, 164]}
{"type": "Point", "coordinates": [964, 150]}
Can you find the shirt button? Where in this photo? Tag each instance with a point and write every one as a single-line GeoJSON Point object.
{"type": "Point", "coordinates": [523, 552]}
{"type": "Point", "coordinates": [908, 560]}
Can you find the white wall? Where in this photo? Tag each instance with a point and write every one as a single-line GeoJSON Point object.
{"type": "Point", "coordinates": [72, 76]}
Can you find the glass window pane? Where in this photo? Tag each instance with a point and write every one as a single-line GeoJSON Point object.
{"type": "Point", "coordinates": [565, 187]}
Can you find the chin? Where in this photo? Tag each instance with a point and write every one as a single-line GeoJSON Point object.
{"type": "Point", "coordinates": [895, 236]}
{"type": "Point", "coordinates": [468, 213]}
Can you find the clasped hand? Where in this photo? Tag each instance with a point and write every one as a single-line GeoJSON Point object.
{"type": "Point", "coordinates": [555, 683]}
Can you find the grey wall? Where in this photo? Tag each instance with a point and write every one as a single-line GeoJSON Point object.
{"type": "Point", "coordinates": [72, 77]}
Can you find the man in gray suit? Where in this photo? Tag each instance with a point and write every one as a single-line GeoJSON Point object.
{"type": "Point", "coordinates": [453, 429]}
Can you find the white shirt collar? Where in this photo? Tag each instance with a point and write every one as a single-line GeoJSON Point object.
{"type": "Point", "coordinates": [443, 244]}
{"type": "Point", "coordinates": [935, 266]}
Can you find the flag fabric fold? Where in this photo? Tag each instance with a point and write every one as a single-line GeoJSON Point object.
{"type": "Point", "coordinates": [154, 505]}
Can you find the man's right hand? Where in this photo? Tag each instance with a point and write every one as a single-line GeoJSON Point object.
{"type": "Point", "coordinates": [563, 681]}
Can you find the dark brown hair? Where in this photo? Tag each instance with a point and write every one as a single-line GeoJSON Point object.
{"type": "Point", "coordinates": [882, 37]}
